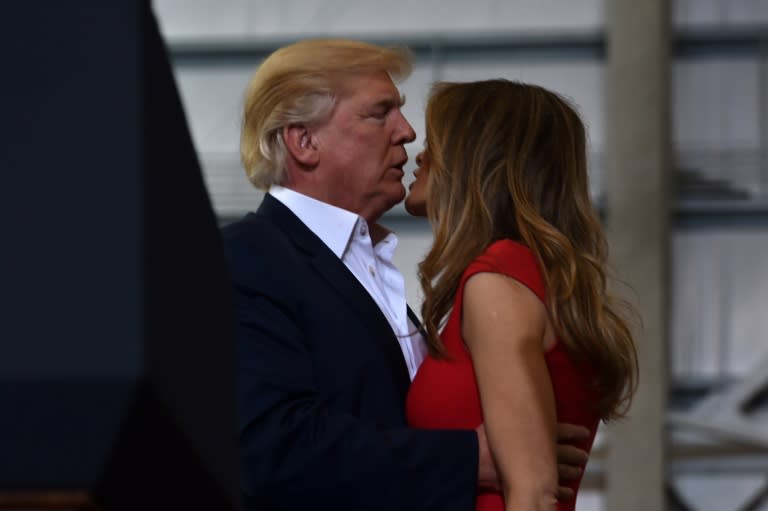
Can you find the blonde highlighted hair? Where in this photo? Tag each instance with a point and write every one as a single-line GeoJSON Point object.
{"type": "Point", "coordinates": [299, 84]}
{"type": "Point", "coordinates": [508, 160]}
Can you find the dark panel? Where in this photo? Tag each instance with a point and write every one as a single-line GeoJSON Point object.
{"type": "Point", "coordinates": [69, 159]}
{"type": "Point", "coordinates": [116, 349]}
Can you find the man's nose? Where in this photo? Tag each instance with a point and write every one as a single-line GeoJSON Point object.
{"type": "Point", "coordinates": [405, 132]}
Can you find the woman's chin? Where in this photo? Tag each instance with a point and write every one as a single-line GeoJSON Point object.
{"type": "Point", "coordinates": [416, 209]}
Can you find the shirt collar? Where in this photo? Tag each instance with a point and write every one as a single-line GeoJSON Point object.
{"type": "Point", "coordinates": [385, 248]}
{"type": "Point", "coordinates": [333, 225]}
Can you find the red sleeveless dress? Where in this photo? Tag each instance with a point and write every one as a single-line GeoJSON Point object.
{"type": "Point", "coordinates": [444, 393]}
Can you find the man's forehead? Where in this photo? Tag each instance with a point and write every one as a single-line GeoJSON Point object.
{"type": "Point", "coordinates": [371, 84]}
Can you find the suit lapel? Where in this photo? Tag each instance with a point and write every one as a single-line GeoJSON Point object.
{"type": "Point", "coordinates": [338, 276]}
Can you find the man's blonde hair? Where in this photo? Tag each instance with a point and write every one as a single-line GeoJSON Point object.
{"type": "Point", "coordinates": [299, 84]}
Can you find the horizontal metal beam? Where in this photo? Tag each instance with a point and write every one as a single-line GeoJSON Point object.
{"type": "Point", "coordinates": [687, 215]}
{"type": "Point", "coordinates": [589, 45]}
{"type": "Point", "coordinates": [701, 214]}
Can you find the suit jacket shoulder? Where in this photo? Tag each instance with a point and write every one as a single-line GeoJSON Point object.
{"type": "Point", "coordinates": [322, 385]}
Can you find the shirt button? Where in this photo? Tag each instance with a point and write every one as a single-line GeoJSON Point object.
{"type": "Point", "coordinates": [371, 271]}
{"type": "Point", "coordinates": [364, 229]}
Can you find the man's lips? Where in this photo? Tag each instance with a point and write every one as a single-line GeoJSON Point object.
{"type": "Point", "coordinates": [401, 163]}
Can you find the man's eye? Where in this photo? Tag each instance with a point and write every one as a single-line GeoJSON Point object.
{"type": "Point", "coordinates": [379, 114]}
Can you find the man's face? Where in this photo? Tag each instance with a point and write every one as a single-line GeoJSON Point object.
{"type": "Point", "coordinates": [361, 147]}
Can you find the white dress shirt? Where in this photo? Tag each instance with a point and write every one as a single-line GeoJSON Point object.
{"type": "Point", "coordinates": [346, 234]}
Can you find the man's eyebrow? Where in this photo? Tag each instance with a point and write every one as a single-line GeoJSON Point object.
{"type": "Point", "coordinates": [392, 101]}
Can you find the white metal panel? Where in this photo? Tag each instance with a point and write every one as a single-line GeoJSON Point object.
{"type": "Point", "coordinates": [214, 18]}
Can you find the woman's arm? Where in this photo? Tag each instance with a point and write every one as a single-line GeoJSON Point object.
{"type": "Point", "coordinates": [505, 327]}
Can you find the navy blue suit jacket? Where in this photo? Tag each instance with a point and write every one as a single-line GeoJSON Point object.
{"type": "Point", "coordinates": [322, 385]}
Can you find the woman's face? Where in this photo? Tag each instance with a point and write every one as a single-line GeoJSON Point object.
{"type": "Point", "coordinates": [416, 201]}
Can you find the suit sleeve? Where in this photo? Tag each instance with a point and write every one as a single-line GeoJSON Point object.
{"type": "Point", "coordinates": [296, 454]}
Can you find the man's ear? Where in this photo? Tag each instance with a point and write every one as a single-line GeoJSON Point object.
{"type": "Point", "coordinates": [299, 143]}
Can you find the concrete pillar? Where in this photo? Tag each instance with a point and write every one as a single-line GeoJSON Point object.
{"type": "Point", "coordinates": [762, 88]}
{"type": "Point", "coordinates": [638, 174]}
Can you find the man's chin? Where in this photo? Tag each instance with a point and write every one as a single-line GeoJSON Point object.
{"type": "Point", "coordinates": [397, 197]}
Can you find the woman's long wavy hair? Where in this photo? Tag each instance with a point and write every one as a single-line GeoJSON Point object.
{"type": "Point", "coordinates": [508, 160]}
